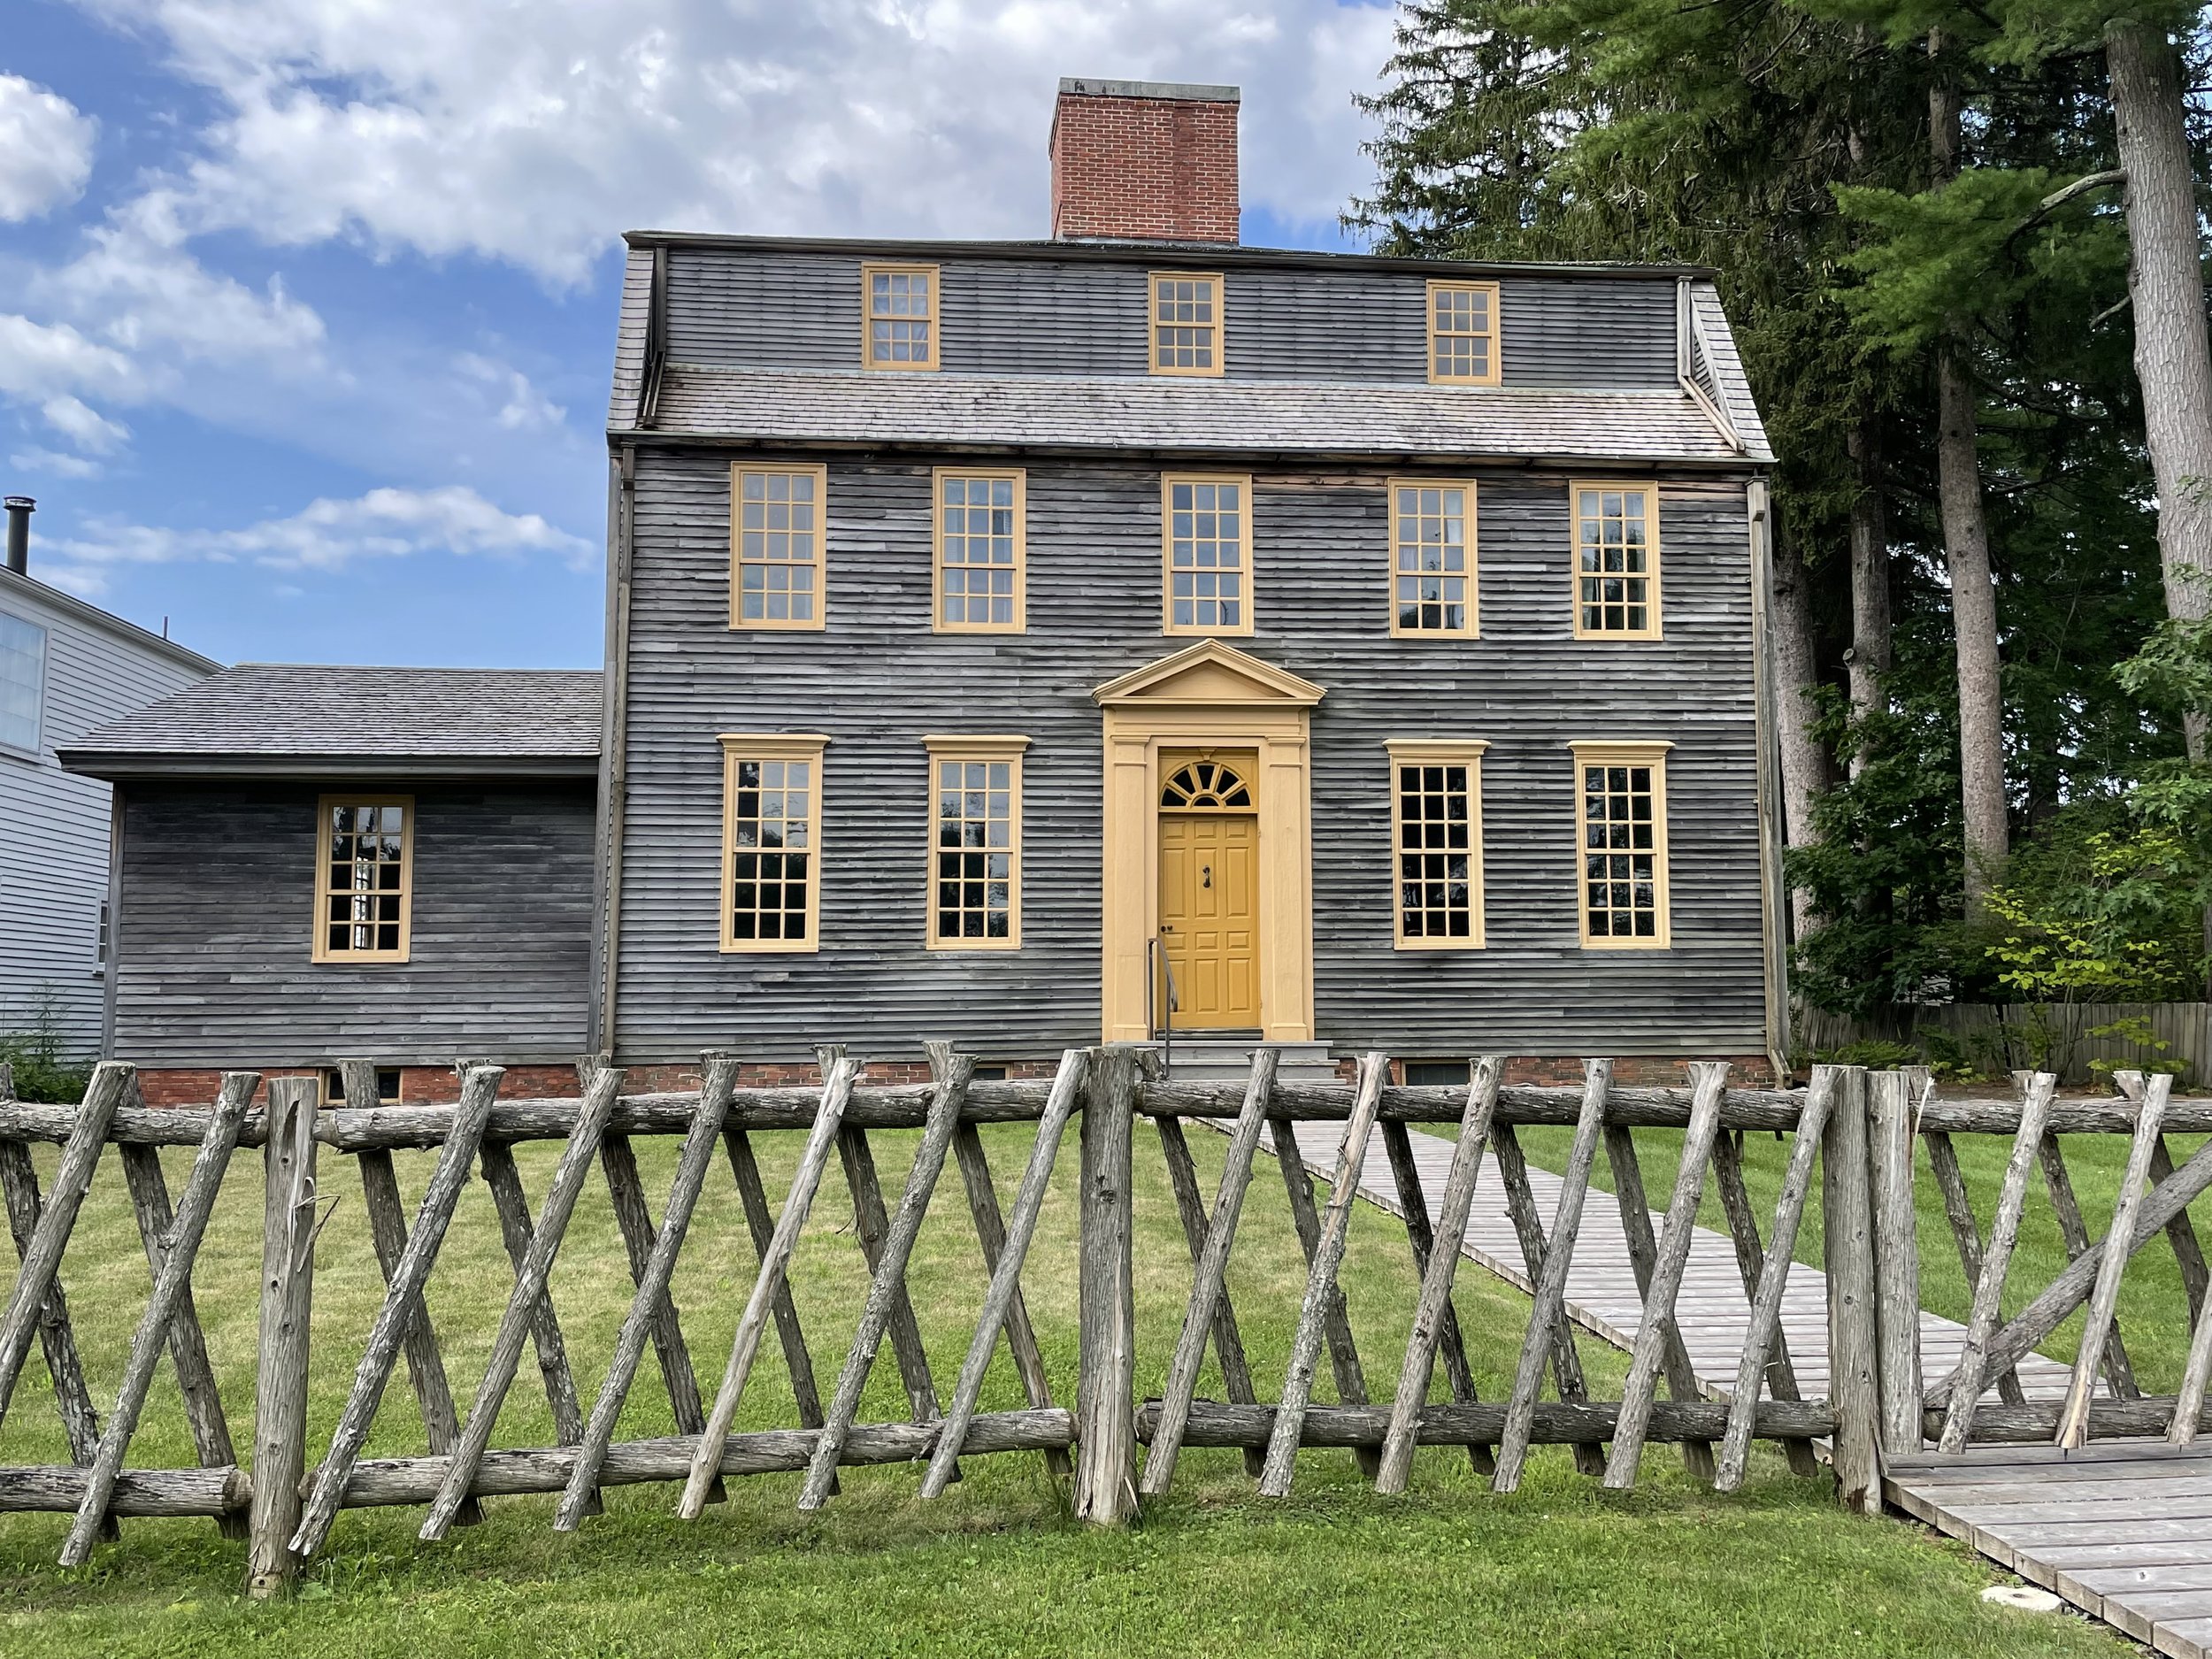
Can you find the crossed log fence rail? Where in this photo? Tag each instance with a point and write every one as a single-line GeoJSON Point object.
{"type": "Point", "coordinates": [1858, 1127]}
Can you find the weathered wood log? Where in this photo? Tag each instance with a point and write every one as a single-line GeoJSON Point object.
{"type": "Point", "coordinates": [1436, 1256]}
{"type": "Point", "coordinates": [1190, 1206]}
{"type": "Point", "coordinates": [1004, 1250]}
{"type": "Point", "coordinates": [2181, 1233]}
{"type": "Point", "coordinates": [41, 1260]}
{"type": "Point", "coordinates": [1528, 1227]}
{"type": "Point", "coordinates": [1305, 1216]}
{"type": "Point", "coordinates": [531, 1278]}
{"type": "Point", "coordinates": [1106, 1317]}
{"type": "Point", "coordinates": [837, 1086]}
{"type": "Point", "coordinates": [905, 1107]}
{"type": "Point", "coordinates": [889, 1279]}
{"type": "Point", "coordinates": [2104, 1298]}
{"type": "Point", "coordinates": [1751, 1259]}
{"type": "Point", "coordinates": [180, 1247]}
{"type": "Point", "coordinates": [2048, 1311]}
{"type": "Point", "coordinates": [1548, 1315]}
{"type": "Point", "coordinates": [150, 1493]}
{"type": "Point", "coordinates": [760, 1225]}
{"type": "Point", "coordinates": [1989, 1282]}
{"type": "Point", "coordinates": [1847, 1259]}
{"type": "Point", "coordinates": [188, 1343]}
{"type": "Point", "coordinates": [871, 1224]}
{"type": "Point", "coordinates": [18, 1181]}
{"type": "Point", "coordinates": [1896, 1261]}
{"type": "Point", "coordinates": [633, 1218]}
{"type": "Point", "coordinates": [288, 1228]}
{"type": "Point", "coordinates": [1659, 1269]}
{"type": "Point", "coordinates": [401, 1312]}
{"type": "Point", "coordinates": [1210, 1265]}
{"type": "Point", "coordinates": [1322, 1290]}
{"type": "Point", "coordinates": [2118, 1369]}
{"type": "Point", "coordinates": [518, 1233]}
{"type": "Point", "coordinates": [652, 1296]}
{"type": "Point", "coordinates": [1768, 1276]}
{"type": "Point", "coordinates": [1958, 1209]}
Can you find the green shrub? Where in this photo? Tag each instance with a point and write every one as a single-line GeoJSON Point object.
{"type": "Point", "coordinates": [42, 1072]}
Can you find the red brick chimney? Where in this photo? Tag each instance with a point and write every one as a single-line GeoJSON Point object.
{"type": "Point", "coordinates": [1144, 161]}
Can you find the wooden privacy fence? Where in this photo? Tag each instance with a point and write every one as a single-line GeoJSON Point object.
{"type": "Point", "coordinates": [1850, 1123]}
{"type": "Point", "coordinates": [2119, 1034]}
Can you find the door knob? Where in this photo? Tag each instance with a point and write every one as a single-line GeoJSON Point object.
{"type": "Point", "coordinates": [1205, 875]}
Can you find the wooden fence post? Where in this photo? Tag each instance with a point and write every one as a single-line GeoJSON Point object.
{"type": "Point", "coordinates": [287, 1280]}
{"type": "Point", "coordinates": [1896, 1261]}
{"type": "Point", "coordinates": [1847, 1223]}
{"type": "Point", "coordinates": [1105, 1414]}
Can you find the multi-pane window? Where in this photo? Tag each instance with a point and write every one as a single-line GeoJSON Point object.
{"type": "Point", "coordinates": [1616, 561]}
{"type": "Point", "coordinates": [22, 682]}
{"type": "Point", "coordinates": [1208, 524]}
{"type": "Point", "coordinates": [975, 836]}
{"type": "Point", "coordinates": [365, 856]}
{"type": "Point", "coordinates": [1436, 836]}
{"type": "Point", "coordinates": [1621, 815]}
{"type": "Point", "coordinates": [1432, 558]}
{"type": "Point", "coordinates": [1186, 323]}
{"type": "Point", "coordinates": [902, 316]}
{"type": "Point", "coordinates": [777, 561]}
{"type": "Point", "coordinates": [771, 831]}
{"type": "Point", "coordinates": [980, 549]}
{"type": "Point", "coordinates": [1463, 333]}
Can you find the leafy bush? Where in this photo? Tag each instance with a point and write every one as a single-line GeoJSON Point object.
{"type": "Point", "coordinates": [42, 1072]}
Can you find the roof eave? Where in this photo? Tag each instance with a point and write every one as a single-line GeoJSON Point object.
{"type": "Point", "coordinates": [46, 593]}
{"type": "Point", "coordinates": [126, 765]}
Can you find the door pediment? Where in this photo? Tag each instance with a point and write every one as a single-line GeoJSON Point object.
{"type": "Point", "coordinates": [1208, 674]}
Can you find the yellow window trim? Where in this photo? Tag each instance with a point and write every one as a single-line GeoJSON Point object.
{"type": "Point", "coordinates": [1495, 336]}
{"type": "Point", "coordinates": [1473, 628]}
{"type": "Point", "coordinates": [1220, 325]}
{"type": "Point", "coordinates": [1167, 480]}
{"type": "Point", "coordinates": [319, 941]}
{"type": "Point", "coordinates": [738, 471]}
{"type": "Point", "coordinates": [740, 746]}
{"type": "Point", "coordinates": [868, 274]}
{"type": "Point", "coordinates": [1422, 751]}
{"type": "Point", "coordinates": [1613, 753]}
{"type": "Point", "coordinates": [1019, 477]}
{"type": "Point", "coordinates": [1650, 490]}
{"type": "Point", "coordinates": [942, 746]}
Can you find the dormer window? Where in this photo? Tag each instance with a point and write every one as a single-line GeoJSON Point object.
{"type": "Point", "coordinates": [900, 320]}
{"type": "Point", "coordinates": [1463, 334]}
{"type": "Point", "coordinates": [1186, 323]}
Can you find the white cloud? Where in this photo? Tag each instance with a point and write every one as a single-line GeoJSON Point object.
{"type": "Point", "coordinates": [445, 130]}
{"type": "Point", "coordinates": [45, 150]}
{"type": "Point", "coordinates": [43, 460]}
{"type": "Point", "coordinates": [330, 535]}
{"type": "Point", "coordinates": [83, 426]}
{"type": "Point", "coordinates": [44, 360]}
{"type": "Point", "coordinates": [522, 407]}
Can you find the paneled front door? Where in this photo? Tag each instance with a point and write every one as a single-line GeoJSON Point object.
{"type": "Point", "coordinates": [1209, 888]}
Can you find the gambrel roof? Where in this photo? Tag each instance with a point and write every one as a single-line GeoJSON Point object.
{"type": "Point", "coordinates": [271, 719]}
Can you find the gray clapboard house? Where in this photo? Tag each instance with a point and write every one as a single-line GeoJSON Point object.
{"type": "Point", "coordinates": [65, 667]}
{"type": "Point", "coordinates": [1040, 642]}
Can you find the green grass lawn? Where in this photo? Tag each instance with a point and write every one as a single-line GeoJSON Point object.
{"type": "Point", "coordinates": [996, 1567]}
{"type": "Point", "coordinates": [2154, 1312]}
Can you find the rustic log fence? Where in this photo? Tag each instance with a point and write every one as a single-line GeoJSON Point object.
{"type": "Point", "coordinates": [1859, 1128]}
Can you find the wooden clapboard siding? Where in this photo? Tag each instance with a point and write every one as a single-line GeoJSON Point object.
{"type": "Point", "coordinates": [54, 825]}
{"type": "Point", "coordinates": [219, 888]}
{"type": "Point", "coordinates": [877, 680]}
{"type": "Point", "coordinates": [741, 307]}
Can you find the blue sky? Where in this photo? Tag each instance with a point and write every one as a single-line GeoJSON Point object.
{"type": "Point", "coordinates": [307, 306]}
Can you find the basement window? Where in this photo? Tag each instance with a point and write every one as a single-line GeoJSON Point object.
{"type": "Point", "coordinates": [1186, 323]}
{"type": "Point", "coordinates": [901, 320]}
{"type": "Point", "coordinates": [1621, 823]}
{"type": "Point", "coordinates": [1463, 334]}
{"type": "Point", "coordinates": [365, 856]}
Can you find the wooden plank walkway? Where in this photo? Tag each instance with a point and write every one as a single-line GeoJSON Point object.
{"type": "Point", "coordinates": [2122, 1529]}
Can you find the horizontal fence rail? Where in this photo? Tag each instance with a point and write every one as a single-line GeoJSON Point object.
{"type": "Point", "coordinates": [1852, 1142]}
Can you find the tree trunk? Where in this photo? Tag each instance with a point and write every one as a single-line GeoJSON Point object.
{"type": "Point", "coordinates": [2166, 284]}
{"type": "Point", "coordinates": [1804, 763]}
{"type": "Point", "coordinates": [1870, 578]}
{"type": "Point", "coordinates": [1966, 551]}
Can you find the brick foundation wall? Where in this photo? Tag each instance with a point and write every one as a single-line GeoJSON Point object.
{"type": "Point", "coordinates": [1635, 1071]}
{"type": "Point", "coordinates": [1140, 163]}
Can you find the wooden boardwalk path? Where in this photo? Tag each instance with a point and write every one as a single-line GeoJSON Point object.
{"type": "Point", "coordinates": [2123, 1529]}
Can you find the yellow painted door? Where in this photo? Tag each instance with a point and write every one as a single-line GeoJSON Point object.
{"type": "Point", "coordinates": [1210, 917]}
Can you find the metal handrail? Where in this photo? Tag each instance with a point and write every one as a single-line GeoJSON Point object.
{"type": "Point", "coordinates": [1165, 1032]}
